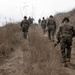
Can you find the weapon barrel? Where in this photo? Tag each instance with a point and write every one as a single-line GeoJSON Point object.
{"type": "Point", "coordinates": [56, 44]}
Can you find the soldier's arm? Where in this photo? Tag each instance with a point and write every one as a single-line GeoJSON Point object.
{"type": "Point", "coordinates": [55, 24]}
{"type": "Point", "coordinates": [73, 29]}
{"type": "Point", "coordinates": [58, 34]}
{"type": "Point", "coordinates": [28, 23]}
{"type": "Point", "coordinates": [56, 43]}
{"type": "Point", "coordinates": [47, 23]}
{"type": "Point", "coordinates": [41, 22]}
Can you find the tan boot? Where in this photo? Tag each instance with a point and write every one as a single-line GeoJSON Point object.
{"type": "Point", "coordinates": [65, 64]}
{"type": "Point", "coordinates": [68, 60]}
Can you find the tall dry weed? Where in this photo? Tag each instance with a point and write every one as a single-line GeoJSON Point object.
{"type": "Point", "coordinates": [9, 38]}
{"type": "Point", "coordinates": [40, 50]}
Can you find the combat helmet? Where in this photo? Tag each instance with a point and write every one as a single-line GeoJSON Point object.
{"type": "Point", "coordinates": [65, 19]}
{"type": "Point", "coordinates": [51, 16]}
{"type": "Point", "coordinates": [43, 18]}
{"type": "Point", "coordinates": [25, 17]}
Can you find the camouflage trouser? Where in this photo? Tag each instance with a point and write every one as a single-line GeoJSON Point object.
{"type": "Point", "coordinates": [44, 27]}
{"type": "Point", "coordinates": [25, 31]}
{"type": "Point", "coordinates": [25, 34]}
{"type": "Point", "coordinates": [51, 33]}
{"type": "Point", "coordinates": [65, 45]}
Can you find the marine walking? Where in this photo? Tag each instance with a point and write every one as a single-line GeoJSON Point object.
{"type": "Point", "coordinates": [25, 26]}
{"type": "Point", "coordinates": [65, 35]}
{"type": "Point", "coordinates": [51, 25]}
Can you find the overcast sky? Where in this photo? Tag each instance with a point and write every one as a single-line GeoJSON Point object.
{"type": "Point", "coordinates": [16, 9]}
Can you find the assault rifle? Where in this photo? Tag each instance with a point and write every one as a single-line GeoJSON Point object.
{"type": "Point", "coordinates": [56, 43]}
{"type": "Point", "coordinates": [46, 29]}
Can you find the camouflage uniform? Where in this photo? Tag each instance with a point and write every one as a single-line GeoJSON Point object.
{"type": "Point", "coordinates": [51, 25]}
{"type": "Point", "coordinates": [43, 24]}
{"type": "Point", "coordinates": [25, 27]}
{"type": "Point", "coordinates": [64, 36]}
{"type": "Point", "coordinates": [39, 21]}
{"type": "Point", "coordinates": [30, 20]}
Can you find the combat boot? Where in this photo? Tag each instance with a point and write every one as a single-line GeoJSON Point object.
{"type": "Point", "coordinates": [63, 60]}
{"type": "Point", "coordinates": [65, 64]}
{"type": "Point", "coordinates": [52, 40]}
{"type": "Point", "coordinates": [68, 60]}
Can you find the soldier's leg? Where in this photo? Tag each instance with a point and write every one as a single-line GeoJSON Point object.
{"type": "Point", "coordinates": [69, 44]}
{"type": "Point", "coordinates": [63, 52]}
{"type": "Point", "coordinates": [44, 30]}
{"type": "Point", "coordinates": [52, 34]}
{"type": "Point", "coordinates": [26, 32]}
{"type": "Point", "coordinates": [49, 34]}
{"type": "Point", "coordinates": [68, 54]}
{"type": "Point", "coordinates": [24, 35]}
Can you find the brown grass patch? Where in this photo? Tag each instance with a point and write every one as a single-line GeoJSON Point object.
{"type": "Point", "coordinates": [9, 38]}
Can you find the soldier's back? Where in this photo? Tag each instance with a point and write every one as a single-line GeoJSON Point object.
{"type": "Point", "coordinates": [66, 29]}
{"type": "Point", "coordinates": [51, 21]}
{"type": "Point", "coordinates": [25, 21]}
{"type": "Point", "coordinates": [43, 21]}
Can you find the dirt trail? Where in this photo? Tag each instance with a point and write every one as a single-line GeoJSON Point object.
{"type": "Point", "coordinates": [70, 70]}
{"type": "Point", "coordinates": [36, 56]}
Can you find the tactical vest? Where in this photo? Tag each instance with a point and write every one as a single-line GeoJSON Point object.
{"type": "Point", "coordinates": [66, 30]}
{"type": "Point", "coordinates": [51, 22]}
{"type": "Point", "coordinates": [25, 23]}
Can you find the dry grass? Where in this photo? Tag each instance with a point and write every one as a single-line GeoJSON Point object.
{"type": "Point", "coordinates": [9, 38]}
{"type": "Point", "coordinates": [42, 59]}
{"type": "Point", "coordinates": [39, 44]}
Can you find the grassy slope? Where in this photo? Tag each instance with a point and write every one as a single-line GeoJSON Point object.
{"type": "Point", "coordinates": [9, 38]}
{"type": "Point", "coordinates": [71, 15]}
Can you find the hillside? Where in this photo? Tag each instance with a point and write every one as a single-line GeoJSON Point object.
{"type": "Point", "coordinates": [70, 15]}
